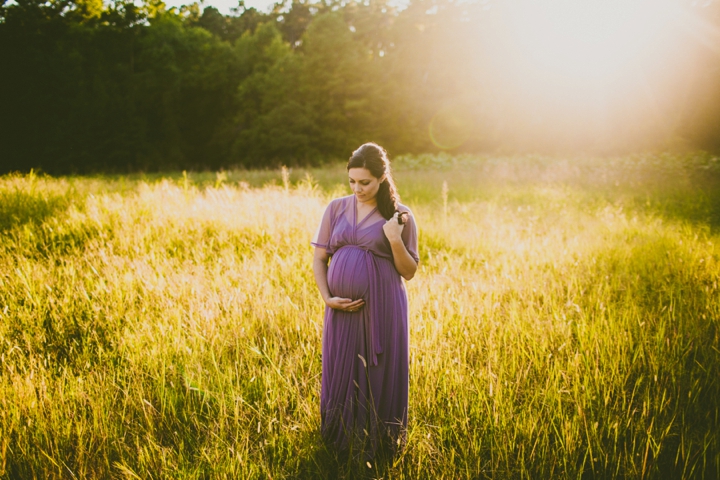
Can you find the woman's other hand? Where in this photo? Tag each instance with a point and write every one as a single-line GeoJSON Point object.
{"type": "Point", "coordinates": [393, 229]}
{"type": "Point", "coordinates": [345, 304]}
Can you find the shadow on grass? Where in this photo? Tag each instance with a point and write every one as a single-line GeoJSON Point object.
{"type": "Point", "coordinates": [672, 339]}
{"type": "Point", "coordinates": [698, 203]}
{"type": "Point", "coordinates": [323, 462]}
{"type": "Point", "coordinates": [710, 186]}
{"type": "Point", "coordinates": [23, 201]}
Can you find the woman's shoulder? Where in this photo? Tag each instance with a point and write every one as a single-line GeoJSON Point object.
{"type": "Point", "coordinates": [340, 201]}
{"type": "Point", "coordinates": [404, 208]}
{"type": "Point", "coordinates": [346, 198]}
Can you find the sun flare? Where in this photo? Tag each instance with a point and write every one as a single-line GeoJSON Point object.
{"type": "Point", "coordinates": [590, 40]}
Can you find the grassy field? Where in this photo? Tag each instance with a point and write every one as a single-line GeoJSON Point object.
{"type": "Point", "coordinates": [564, 322]}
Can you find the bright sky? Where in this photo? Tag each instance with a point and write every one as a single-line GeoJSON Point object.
{"type": "Point", "coordinates": [224, 6]}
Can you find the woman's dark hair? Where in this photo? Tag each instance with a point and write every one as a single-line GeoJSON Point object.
{"type": "Point", "coordinates": [373, 157]}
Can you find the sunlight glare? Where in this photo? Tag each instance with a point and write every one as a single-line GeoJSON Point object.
{"type": "Point", "coordinates": [589, 39]}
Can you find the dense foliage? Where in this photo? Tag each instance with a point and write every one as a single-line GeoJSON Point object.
{"type": "Point", "coordinates": [88, 86]}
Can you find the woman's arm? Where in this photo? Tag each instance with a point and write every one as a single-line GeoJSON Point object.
{"type": "Point", "coordinates": [405, 264]}
{"type": "Point", "coordinates": [320, 268]}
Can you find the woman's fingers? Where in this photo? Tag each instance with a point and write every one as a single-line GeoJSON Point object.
{"type": "Point", "coordinates": [356, 305]}
{"type": "Point", "coordinates": [392, 228]}
{"type": "Point", "coordinates": [349, 305]}
{"type": "Point", "coordinates": [346, 304]}
{"type": "Point", "coordinates": [337, 303]}
{"type": "Point", "coordinates": [343, 302]}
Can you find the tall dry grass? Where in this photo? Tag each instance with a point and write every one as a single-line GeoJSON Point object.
{"type": "Point", "coordinates": [563, 324]}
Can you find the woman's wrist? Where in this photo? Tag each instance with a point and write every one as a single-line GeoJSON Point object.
{"type": "Point", "coordinates": [396, 242]}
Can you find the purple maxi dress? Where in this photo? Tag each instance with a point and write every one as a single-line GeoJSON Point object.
{"type": "Point", "coordinates": [364, 391]}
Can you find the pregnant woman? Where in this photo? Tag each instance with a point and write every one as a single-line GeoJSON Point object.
{"type": "Point", "coordinates": [371, 240]}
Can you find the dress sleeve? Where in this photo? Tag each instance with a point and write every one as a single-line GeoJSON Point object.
{"type": "Point", "coordinates": [410, 237]}
{"type": "Point", "coordinates": [324, 231]}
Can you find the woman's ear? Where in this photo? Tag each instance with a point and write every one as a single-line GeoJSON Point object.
{"type": "Point", "coordinates": [382, 179]}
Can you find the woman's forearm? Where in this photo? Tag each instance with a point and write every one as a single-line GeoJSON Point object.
{"type": "Point", "coordinates": [404, 263]}
{"type": "Point", "coordinates": [320, 268]}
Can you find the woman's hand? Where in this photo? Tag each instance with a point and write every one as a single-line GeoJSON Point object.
{"type": "Point", "coordinates": [320, 268]}
{"type": "Point", "coordinates": [393, 230]}
{"type": "Point", "coordinates": [404, 263]}
{"type": "Point", "coordinates": [345, 304]}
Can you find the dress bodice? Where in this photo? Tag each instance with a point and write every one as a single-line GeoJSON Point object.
{"type": "Point", "coordinates": [340, 227]}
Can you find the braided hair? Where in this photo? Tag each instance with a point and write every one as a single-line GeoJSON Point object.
{"type": "Point", "coordinates": [374, 158]}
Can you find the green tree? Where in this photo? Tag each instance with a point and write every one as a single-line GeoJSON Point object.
{"type": "Point", "coordinates": [293, 22]}
{"type": "Point", "coordinates": [230, 28]}
{"type": "Point", "coordinates": [184, 81]}
{"type": "Point", "coordinates": [272, 124]}
{"type": "Point", "coordinates": [342, 86]}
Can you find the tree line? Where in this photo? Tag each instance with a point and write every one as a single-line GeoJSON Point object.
{"type": "Point", "coordinates": [88, 86]}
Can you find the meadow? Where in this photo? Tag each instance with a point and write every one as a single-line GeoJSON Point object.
{"type": "Point", "coordinates": [564, 322]}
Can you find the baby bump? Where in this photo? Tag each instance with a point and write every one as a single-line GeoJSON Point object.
{"type": "Point", "coordinates": [348, 273]}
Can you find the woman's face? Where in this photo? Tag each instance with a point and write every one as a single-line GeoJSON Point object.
{"type": "Point", "coordinates": [363, 184]}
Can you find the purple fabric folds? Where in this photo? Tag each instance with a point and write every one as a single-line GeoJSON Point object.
{"type": "Point", "coordinates": [365, 353]}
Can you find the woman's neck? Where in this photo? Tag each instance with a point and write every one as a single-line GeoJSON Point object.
{"type": "Point", "coordinates": [371, 203]}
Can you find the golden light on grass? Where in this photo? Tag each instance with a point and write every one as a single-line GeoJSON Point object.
{"type": "Point", "coordinates": [172, 327]}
